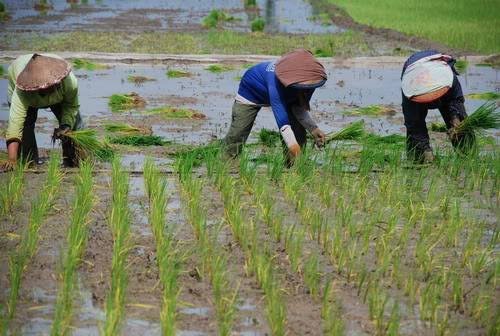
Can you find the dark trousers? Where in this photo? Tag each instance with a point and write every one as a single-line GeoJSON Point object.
{"type": "Point", "coordinates": [417, 135]}
{"type": "Point", "coordinates": [28, 150]}
{"type": "Point", "coordinates": [242, 120]}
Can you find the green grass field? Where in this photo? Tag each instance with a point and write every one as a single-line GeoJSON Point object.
{"type": "Point", "coordinates": [472, 25]}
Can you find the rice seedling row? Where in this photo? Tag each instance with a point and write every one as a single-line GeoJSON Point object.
{"type": "Point", "coordinates": [27, 247]}
{"type": "Point", "coordinates": [76, 241]}
{"type": "Point", "coordinates": [11, 190]}
{"type": "Point", "coordinates": [214, 258]}
{"type": "Point", "coordinates": [119, 221]}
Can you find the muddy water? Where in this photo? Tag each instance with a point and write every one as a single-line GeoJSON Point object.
{"type": "Point", "coordinates": [287, 16]}
{"type": "Point", "coordinates": [213, 95]}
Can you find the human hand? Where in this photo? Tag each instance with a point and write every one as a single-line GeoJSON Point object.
{"type": "Point", "coordinates": [319, 137]}
{"type": "Point", "coordinates": [7, 165]}
{"type": "Point", "coordinates": [61, 131]}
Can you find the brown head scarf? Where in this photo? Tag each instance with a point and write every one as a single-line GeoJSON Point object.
{"type": "Point", "coordinates": [299, 68]}
{"type": "Point", "coordinates": [42, 72]}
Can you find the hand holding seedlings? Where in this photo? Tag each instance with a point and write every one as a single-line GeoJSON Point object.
{"type": "Point", "coordinates": [319, 137]}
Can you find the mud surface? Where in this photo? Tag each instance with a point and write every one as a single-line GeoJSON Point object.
{"type": "Point", "coordinates": [283, 16]}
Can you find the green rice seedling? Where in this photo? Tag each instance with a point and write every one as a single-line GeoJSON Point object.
{"type": "Point", "coordinates": [11, 192]}
{"type": "Point", "coordinates": [169, 260]}
{"type": "Point", "coordinates": [4, 16]}
{"type": "Point", "coordinates": [138, 140]}
{"type": "Point", "coordinates": [124, 128]}
{"type": "Point", "coordinates": [352, 131]}
{"type": "Point", "coordinates": [438, 127]}
{"type": "Point", "coordinates": [2, 70]}
{"type": "Point", "coordinates": [371, 111]}
{"type": "Point", "coordinates": [484, 96]}
{"type": "Point", "coordinates": [126, 101]}
{"type": "Point", "coordinates": [269, 138]}
{"type": "Point", "coordinates": [276, 165]}
{"type": "Point", "coordinates": [250, 3]}
{"type": "Point", "coordinates": [28, 244]}
{"type": "Point", "coordinates": [312, 274]}
{"type": "Point", "coordinates": [215, 18]}
{"type": "Point", "coordinates": [119, 222]}
{"type": "Point", "coordinates": [76, 241]}
{"type": "Point", "coordinates": [170, 112]}
{"type": "Point", "coordinates": [257, 25]}
{"type": "Point", "coordinates": [485, 117]}
{"type": "Point", "coordinates": [225, 304]}
{"type": "Point", "coordinates": [89, 146]}
{"type": "Point", "coordinates": [294, 240]}
{"type": "Point", "coordinates": [217, 68]}
{"type": "Point", "coordinates": [176, 73]}
{"type": "Point", "coordinates": [138, 80]}
{"type": "Point", "coordinates": [87, 65]}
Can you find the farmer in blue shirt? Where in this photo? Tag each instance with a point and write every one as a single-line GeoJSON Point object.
{"type": "Point", "coordinates": [429, 81]}
{"type": "Point", "coordinates": [286, 85]}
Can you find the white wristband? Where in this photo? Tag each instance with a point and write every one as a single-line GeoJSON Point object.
{"type": "Point", "coordinates": [288, 136]}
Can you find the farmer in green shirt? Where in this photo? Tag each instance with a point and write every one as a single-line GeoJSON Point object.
{"type": "Point", "coordinates": [40, 81]}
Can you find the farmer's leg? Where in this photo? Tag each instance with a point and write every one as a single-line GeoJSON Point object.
{"type": "Point", "coordinates": [417, 136]}
{"type": "Point", "coordinates": [28, 150]}
{"type": "Point", "coordinates": [70, 158]}
{"type": "Point", "coordinates": [242, 119]}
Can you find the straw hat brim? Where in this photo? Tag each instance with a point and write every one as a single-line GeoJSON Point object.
{"type": "Point", "coordinates": [431, 96]}
{"type": "Point", "coordinates": [42, 72]}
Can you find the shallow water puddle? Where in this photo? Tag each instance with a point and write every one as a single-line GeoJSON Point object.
{"type": "Point", "coordinates": [213, 95]}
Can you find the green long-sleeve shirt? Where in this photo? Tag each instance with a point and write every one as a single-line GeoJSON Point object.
{"type": "Point", "coordinates": [66, 94]}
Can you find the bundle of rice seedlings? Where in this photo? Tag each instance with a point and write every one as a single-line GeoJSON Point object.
{"type": "Point", "coordinates": [376, 139]}
{"type": "Point", "coordinates": [353, 131]}
{"type": "Point", "coordinates": [484, 96]}
{"type": "Point", "coordinates": [139, 79]}
{"type": "Point", "coordinates": [438, 127]}
{"type": "Point", "coordinates": [124, 128]}
{"type": "Point", "coordinates": [87, 65]}
{"type": "Point", "coordinates": [88, 145]}
{"type": "Point", "coordinates": [371, 111]}
{"type": "Point", "coordinates": [485, 117]}
{"type": "Point", "coordinates": [217, 68]}
{"type": "Point", "coordinates": [269, 138]}
{"type": "Point", "coordinates": [121, 102]}
{"type": "Point", "coordinates": [138, 140]}
{"type": "Point", "coordinates": [176, 73]}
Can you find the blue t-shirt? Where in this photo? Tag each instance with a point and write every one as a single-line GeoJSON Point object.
{"type": "Point", "coordinates": [261, 86]}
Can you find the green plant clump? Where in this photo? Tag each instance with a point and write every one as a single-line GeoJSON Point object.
{"type": "Point", "coordinates": [2, 71]}
{"type": "Point", "coordinates": [139, 79]}
{"type": "Point", "coordinates": [371, 111]}
{"type": "Point", "coordinates": [126, 128]}
{"type": "Point", "coordinates": [269, 138]}
{"type": "Point", "coordinates": [438, 127]}
{"type": "Point", "coordinates": [170, 112]}
{"type": "Point", "coordinates": [122, 102]}
{"type": "Point", "coordinates": [215, 18]}
{"type": "Point", "coordinates": [89, 146]}
{"type": "Point", "coordinates": [353, 131]}
{"type": "Point", "coordinates": [138, 140]}
{"type": "Point", "coordinates": [461, 65]}
{"type": "Point", "coordinates": [176, 73]}
{"type": "Point", "coordinates": [250, 3]}
{"type": "Point", "coordinates": [216, 68]}
{"type": "Point", "coordinates": [79, 63]}
{"type": "Point", "coordinates": [258, 24]}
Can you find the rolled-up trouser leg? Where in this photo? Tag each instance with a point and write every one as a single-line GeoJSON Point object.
{"type": "Point", "coordinates": [28, 150]}
{"type": "Point", "coordinates": [417, 136]}
{"type": "Point", "coordinates": [242, 120]}
{"type": "Point", "coordinates": [68, 147]}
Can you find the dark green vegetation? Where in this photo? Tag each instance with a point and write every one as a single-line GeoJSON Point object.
{"type": "Point", "coordinates": [87, 65]}
{"type": "Point", "coordinates": [127, 101]}
{"type": "Point", "coordinates": [42, 5]}
{"type": "Point", "coordinates": [461, 65]}
{"type": "Point", "coordinates": [4, 15]}
{"type": "Point", "coordinates": [138, 140]}
{"type": "Point", "coordinates": [438, 127]}
{"type": "Point", "coordinates": [216, 18]}
{"type": "Point", "coordinates": [124, 128]}
{"type": "Point", "coordinates": [2, 71]}
{"type": "Point", "coordinates": [213, 42]}
{"type": "Point", "coordinates": [258, 24]}
{"type": "Point", "coordinates": [487, 116]}
{"type": "Point", "coordinates": [463, 24]}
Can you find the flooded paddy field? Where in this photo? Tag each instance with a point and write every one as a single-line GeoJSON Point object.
{"type": "Point", "coordinates": [353, 240]}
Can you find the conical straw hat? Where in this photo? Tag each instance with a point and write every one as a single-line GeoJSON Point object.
{"type": "Point", "coordinates": [42, 72]}
{"type": "Point", "coordinates": [427, 81]}
{"type": "Point", "coordinates": [299, 67]}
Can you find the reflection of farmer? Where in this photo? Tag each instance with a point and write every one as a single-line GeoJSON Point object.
{"type": "Point", "coordinates": [40, 81]}
{"type": "Point", "coordinates": [429, 81]}
{"type": "Point", "coordinates": [287, 86]}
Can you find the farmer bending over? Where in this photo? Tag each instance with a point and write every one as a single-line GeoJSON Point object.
{"type": "Point", "coordinates": [287, 86]}
{"type": "Point", "coordinates": [429, 81]}
{"type": "Point", "coordinates": [40, 81]}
